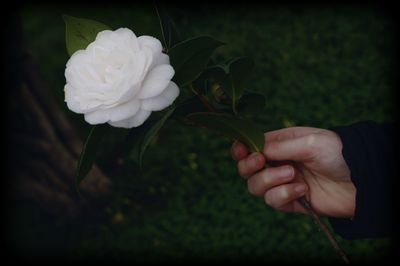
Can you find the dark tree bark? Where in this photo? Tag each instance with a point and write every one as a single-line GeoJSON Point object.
{"type": "Point", "coordinates": [44, 145]}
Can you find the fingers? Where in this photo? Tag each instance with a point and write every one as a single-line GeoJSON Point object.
{"type": "Point", "coordinates": [251, 164]}
{"type": "Point", "coordinates": [296, 149]}
{"type": "Point", "coordinates": [264, 180]}
{"type": "Point", "coordinates": [283, 197]}
{"type": "Point", "coordinates": [239, 151]}
{"type": "Point", "coordinates": [278, 184]}
{"type": "Point", "coordinates": [289, 133]}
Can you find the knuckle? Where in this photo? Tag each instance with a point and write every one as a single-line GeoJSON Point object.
{"type": "Point", "coordinates": [289, 169]}
{"type": "Point", "coordinates": [267, 199]}
{"type": "Point", "coordinates": [312, 140]}
{"type": "Point", "coordinates": [283, 194]}
{"type": "Point", "coordinates": [270, 199]}
{"type": "Point", "coordinates": [254, 186]}
{"type": "Point", "coordinates": [250, 186]}
{"type": "Point", "coordinates": [312, 144]}
{"type": "Point", "coordinates": [265, 179]}
{"type": "Point", "coordinates": [269, 146]}
{"type": "Point", "coordinates": [277, 198]}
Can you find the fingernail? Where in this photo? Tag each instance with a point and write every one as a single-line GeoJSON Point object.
{"type": "Point", "coordinates": [287, 172]}
{"type": "Point", "coordinates": [300, 188]}
{"type": "Point", "coordinates": [253, 160]}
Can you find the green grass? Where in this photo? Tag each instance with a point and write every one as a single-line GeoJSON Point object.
{"type": "Point", "coordinates": [317, 67]}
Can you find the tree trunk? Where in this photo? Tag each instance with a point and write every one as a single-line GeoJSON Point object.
{"type": "Point", "coordinates": [44, 145]}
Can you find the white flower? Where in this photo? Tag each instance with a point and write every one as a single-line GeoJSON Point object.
{"type": "Point", "coordinates": [119, 79]}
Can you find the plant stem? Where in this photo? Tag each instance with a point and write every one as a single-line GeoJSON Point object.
{"type": "Point", "coordinates": [162, 29]}
{"type": "Point", "coordinates": [317, 220]}
{"type": "Point", "coordinates": [202, 99]}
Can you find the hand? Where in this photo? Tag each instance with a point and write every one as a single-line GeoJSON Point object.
{"type": "Point", "coordinates": [302, 161]}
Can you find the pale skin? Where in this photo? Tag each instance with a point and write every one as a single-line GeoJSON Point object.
{"type": "Point", "coordinates": [302, 161]}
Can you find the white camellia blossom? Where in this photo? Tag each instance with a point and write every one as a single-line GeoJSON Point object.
{"type": "Point", "coordinates": [119, 79]}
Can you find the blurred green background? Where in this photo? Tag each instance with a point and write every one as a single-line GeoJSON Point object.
{"type": "Point", "coordinates": [317, 66]}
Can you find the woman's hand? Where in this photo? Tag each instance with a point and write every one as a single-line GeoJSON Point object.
{"type": "Point", "coordinates": [301, 161]}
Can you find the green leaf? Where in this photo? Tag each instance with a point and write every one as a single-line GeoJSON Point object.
{"type": "Point", "coordinates": [88, 154]}
{"type": "Point", "coordinates": [251, 103]}
{"type": "Point", "coordinates": [188, 106]}
{"type": "Point", "coordinates": [232, 77]}
{"type": "Point", "coordinates": [169, 32]}
{"type": "Point", "coordinates": [80, 32]}
{"type": "Point", "coordinates": [147, 135]}
{"type": "Point", "coordinates": [190, 57]}
{"type": "Point", "coordinates": [240, 70]}
{"type": "Point", "coordinates": [233, 127]}
{"type": "Point", "coordinates": [218, 74]}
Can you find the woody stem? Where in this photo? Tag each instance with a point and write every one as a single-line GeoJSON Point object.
{"type": "Point", "coordinates": [317, 220]}
{"type": "Point", "coordinates": [202, 99]}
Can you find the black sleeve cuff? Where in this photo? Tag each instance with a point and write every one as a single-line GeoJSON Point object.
{"type": "Point", "coordinates": [368, 149]}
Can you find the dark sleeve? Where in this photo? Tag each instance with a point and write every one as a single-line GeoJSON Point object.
{"type": "Point", "coordinates": [369, 151]}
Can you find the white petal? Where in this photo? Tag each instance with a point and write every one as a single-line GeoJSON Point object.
{"type": "Point", "coordinates": [74, 78]}
{"type": "Point", "coordinates": [121, 37]}
{"type": "Point", "coordinates": [162, 59]}
{"type": "Point", "coordinates": [104, 35]}
{"type": "Point", "coordinates": [129, 38]}
{"type": "Point", "coordinates": [77, 58]}
{"type": "Point", "coordinates": [76, 102]}
{"type": "Point", "coordinates": [135, 121]}
{"type": "Point", "coordinates": [73, 73]}
{"type": "Point", "coordinates": [100, 54]}
{"type": "Point", "coordinates": [151, 43]}
{"type": "Point", "coordinates": [117, 113]}
{"type": "Point", "coordinates": [163, 100]}
{"type": "Point", "coordinates": [156, 81]}
{"type": "Point", "coordinates": [72, 104]}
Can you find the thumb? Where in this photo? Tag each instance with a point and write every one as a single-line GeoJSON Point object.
{"type": "Point", "coordinates": [295, 149]}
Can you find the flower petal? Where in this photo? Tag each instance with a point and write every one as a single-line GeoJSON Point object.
{"type": "Point", "coordinates": [163, 100]}
{"type": "Point", "coordinates": [129, 38]}
{"type": "Point", "coordinates": [135, 72]}
{"type": "Point", "coordinates": [122, 37]}
{"type": "Point", "coordinates": [72, 104]}
{"type": "Point", "coordinates": [117, 113]}
{"type": "Point", "coordinates": [156, 81]}
{"type": "Point", "coordinates": [135, 121]}
{"type": "Point", "coordinates": [162, 59]}
{"type": "Point", "coordinates": [151, 43]}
